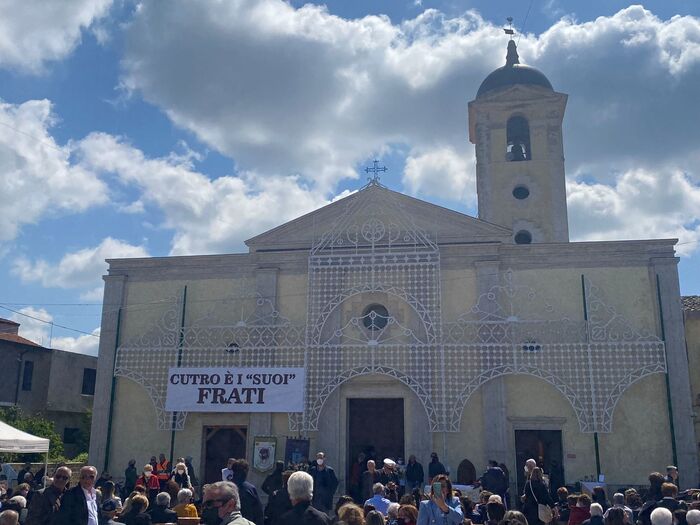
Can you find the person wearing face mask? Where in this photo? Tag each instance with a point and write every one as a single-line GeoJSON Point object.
{"type": "Point", "coordinates": [407, 515]}
{"type": "Point", "coordinates": [46, 502]}
{"type": "Point", "coordinates": [325, 483]}
{"type": "Point", "coordinates": [181, 476]}
{"type": "Point", "coordinates": [222, 505]}
{"type": "Point", "coordinates": [149, 481]}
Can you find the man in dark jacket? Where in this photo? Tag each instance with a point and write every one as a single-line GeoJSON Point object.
{"type": "Point", "coordinates": [160, 512]}
{"type": "Point", "coordinates": [251, 506]}
{"type": "Point", "coordinates": [79, 504]}
{"type": "Point", "coordinates": [301, 488]}
{"type": "Point", "coordinates": [415, 477]}
{"type": "Point", "coordinates": [325, 483]}
{"type": "Point", "coordinates": [435, 468]}
{"type": "Point", "coordinates": [273, 482]}
{"type": "Point", "coordinates": [47, 502]}
{"type": "Point", "coordinates": [494, 480]}
{"type": "Point", "coordinates": [130, 477]}
{"type": "Point", "coordinates": [278, 503]}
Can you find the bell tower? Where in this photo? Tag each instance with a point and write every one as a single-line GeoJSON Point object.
{"type": "Point", "coordinates": [515, 122]}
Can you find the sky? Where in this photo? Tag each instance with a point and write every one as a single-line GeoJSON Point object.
{"type": "Point", "coordinates": [162, 128]}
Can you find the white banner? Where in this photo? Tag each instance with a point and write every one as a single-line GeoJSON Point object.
{"type": "Point", "coordinates": [235, 390]}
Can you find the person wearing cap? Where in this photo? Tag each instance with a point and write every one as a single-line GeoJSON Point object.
{"type": "Point", "coordinates": [672, 475]}
{"type": "Point", "coordinates": [325, 484]}
{"type": "Point", "coordinates": [46, 502]}
{"type": "Point", "coordinates": [107, 512]}
{"type": "Point", "coordinates": [435, 468]}
{"type": "Point", "coordinates": [388, 473]}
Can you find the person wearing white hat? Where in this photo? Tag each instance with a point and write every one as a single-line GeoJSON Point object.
{"type": "Point", "coordinates": [388, 473]}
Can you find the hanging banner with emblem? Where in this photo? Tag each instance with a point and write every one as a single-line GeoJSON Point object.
{"type": "Point", "coordinates": [235, 390]}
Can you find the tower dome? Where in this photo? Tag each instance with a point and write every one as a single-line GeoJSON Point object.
{"type": "Point", "coordinates": [513, 73]}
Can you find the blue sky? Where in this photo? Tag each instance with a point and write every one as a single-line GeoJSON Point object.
{"type": "Point", "coordinates": [175, 128]}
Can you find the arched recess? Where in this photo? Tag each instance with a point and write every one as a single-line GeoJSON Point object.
{"type": "Point", "coordinates": [619, 389]}
{"type": "Point", "coordinates": [319, 400]}
{"type": "Point", "coordinates": [466, 472]}
{"type": "Point", "coordinates": [578, 404]}
{"type": "Point", "coordinates": [518, 139]}
{"type": "Point", "coordinates": [394, 291]}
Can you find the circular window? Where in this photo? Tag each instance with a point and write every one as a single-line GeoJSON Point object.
{"type": "Point", "coordinates": [523, 237]}
{"type": "Point", "coordinates": [521, 192]}
{"type": "Point", "coordinates": [375, 317]}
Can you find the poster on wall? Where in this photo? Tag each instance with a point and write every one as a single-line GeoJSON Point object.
{"type": "Point", "coordinates": [296, 451]}
{"type": "Point", "coordinates": [235, 390]}
{"type": "Point", "coordinates": [264, 449]}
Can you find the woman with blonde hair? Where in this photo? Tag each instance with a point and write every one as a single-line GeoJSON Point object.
{"type": "Point", "coordinates": [535, 494]}
{"type": "Point", "coordinates": [181, 476]}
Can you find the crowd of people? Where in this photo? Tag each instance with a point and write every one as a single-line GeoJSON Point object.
{"type": "Point", "coordinates": [305, 494]}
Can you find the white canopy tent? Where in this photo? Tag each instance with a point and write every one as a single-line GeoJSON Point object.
{"type": "Point", "coordinates": [18, 442]}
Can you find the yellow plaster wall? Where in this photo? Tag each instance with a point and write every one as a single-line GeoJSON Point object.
{"type": "Point", "coordinates": [135, 433]}
{"type": "Point", "coordinates": [531, 397]}
{"type": "Point", "coordinates": [641, 430]}
{"type": "Point", "coordinates": [292, 295]}
{"type": "Point", "coordinates": [468, 443]}
{"type": "Point", "coordinates": [459, 292]}
{"type": "Point", "coordinates": [628, 290]}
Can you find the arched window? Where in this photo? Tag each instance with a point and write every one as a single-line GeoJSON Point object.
{"type": "Point", "coordinates": [517, 139]}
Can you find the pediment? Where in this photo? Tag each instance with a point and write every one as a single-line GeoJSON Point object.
{"type": "Point", "coordinates": [400, 217]}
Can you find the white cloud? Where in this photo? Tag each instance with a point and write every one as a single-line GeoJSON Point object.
{"type": "Point", "coordinates": [33, 32]}
{"type": "Point", "coordinates": [37, 178]}
{"type": "Point", "coordinates": [443, 173]}
{"type": "Point", "coordinates": [80, 269]}
{"type": "Point", "coordinates": [39, 330]}
{"type": "Point", "coordinates": [640, 205]}
{"type": "Point", "coordinates": [207, 215]}
{"type": "Point", "coordinates": [302, 91]}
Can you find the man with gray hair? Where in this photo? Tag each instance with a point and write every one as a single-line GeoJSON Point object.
{"type": "Point", "coordinates": [222, 504]}
{"type": "Point", "coordinates": [378, 500]}
{"type": "Point", "coordinates": [301, 491]}
{"type": "Point", "coordinates": [619, 502]}
{"type": "Point", "coordinates": [661, 516]}
{"type": "Point", "coordinates": [47, 502]}
{"type": "Point", "coordinates": [160, 512]}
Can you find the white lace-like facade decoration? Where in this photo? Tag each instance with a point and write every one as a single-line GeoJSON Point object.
{"type": "Point", "coordinates": [374, 307]}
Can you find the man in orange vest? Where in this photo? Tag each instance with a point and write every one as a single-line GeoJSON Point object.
{"type": "Point", "coordinates": [163, 471]}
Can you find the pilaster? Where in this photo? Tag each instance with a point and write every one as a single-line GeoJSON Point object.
{"type": "Point", "coordinates": [677, 370]}
{"type": "Point", "coordinates": [493, 393]}
{"type": "Point", "coordinates": [113, 301]}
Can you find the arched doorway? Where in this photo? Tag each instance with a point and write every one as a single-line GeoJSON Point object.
{"type": "Point", "coordinates": [372, 403]}
{"type": "Point", "coordinates": [466, 473]}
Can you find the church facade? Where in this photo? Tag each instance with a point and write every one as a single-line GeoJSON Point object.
{"type": "Point", "coordinates": [419, 329]}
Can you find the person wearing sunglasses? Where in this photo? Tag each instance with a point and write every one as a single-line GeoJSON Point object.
{"type": "Point", "coordinates": [79, 504]}
{"type": "Point", "coordinates": [46, 502]}
{"type": "Point", "coordinates": [222, 505]}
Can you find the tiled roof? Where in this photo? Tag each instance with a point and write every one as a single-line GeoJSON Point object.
{"type": "Point", "coordinates": [691, 302]}
{"type": "Point", "coordinates": [14, 338]}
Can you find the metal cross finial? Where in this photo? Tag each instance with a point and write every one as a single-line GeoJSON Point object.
{"type": "Point", "coordinates": [375, 170]}
{"type": "Point", "coordinates": [509, 30]}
